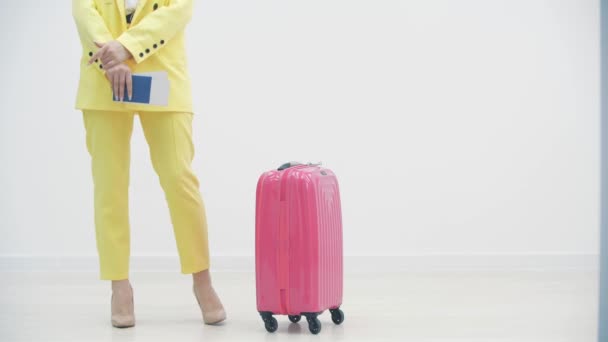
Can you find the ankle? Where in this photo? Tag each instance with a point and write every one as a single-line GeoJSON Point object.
{"type": "Point", "coordinates": [202, 280]}
{"type": "Point", "coordinates": [121, 286]}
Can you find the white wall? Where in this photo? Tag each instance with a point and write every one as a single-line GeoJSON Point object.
{"type": "Point", "coordinates": [466, 127]}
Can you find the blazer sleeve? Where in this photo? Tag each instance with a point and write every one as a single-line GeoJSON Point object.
{"type": "Point", "coordinates": [90, 25]}
{"type": "Point", "coordinates": [156, 29]}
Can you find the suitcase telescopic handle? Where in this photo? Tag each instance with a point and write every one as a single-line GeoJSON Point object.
{"type": "Point", "coordinates": [288, 165]}
{"type": "Point", "coordinates": [292, 164]}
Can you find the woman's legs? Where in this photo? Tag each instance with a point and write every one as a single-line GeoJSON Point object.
{"type": "Point", "coordinates": [108, 136]}
{"type": "Point", "coordinates": [169, 137]}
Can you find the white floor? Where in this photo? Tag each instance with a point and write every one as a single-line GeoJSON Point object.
{"type": "Point", "coordinates": [448, 306]}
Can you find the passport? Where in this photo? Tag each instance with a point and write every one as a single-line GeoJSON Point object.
{"type": "Point", "coordinates": [149, 88]}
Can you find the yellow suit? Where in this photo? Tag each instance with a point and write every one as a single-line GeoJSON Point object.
{"type": "Point", "coordinates": [155, 39]}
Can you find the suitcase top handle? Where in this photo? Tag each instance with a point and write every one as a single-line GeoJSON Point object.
{"type": "Point", "coordinates": [292, 164]}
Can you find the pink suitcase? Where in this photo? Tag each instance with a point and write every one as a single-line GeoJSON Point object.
{"type": "Point", "coordinates": [298, 245]}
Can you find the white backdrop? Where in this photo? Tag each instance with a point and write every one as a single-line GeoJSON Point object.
{"type": "Point", "coordinates": [456, 128]}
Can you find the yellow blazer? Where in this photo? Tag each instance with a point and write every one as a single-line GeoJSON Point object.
{"type": "Point", "coordinates": [155, 38]}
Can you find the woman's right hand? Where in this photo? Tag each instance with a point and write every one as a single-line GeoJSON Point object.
{"type": "Point", "coordinates": [119, 76]}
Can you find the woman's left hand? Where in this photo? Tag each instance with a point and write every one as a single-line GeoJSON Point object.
{"type": "Point", "coordinates": [111, 54]}
{"type": "Point", "coordinates": [120, 81]}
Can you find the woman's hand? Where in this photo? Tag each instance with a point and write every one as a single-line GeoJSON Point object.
{"type": "Point", "coordinates": [119, 76]}
{"type": "Point", "coordinates": [111, 54]}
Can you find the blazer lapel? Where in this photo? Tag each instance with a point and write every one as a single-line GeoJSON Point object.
{"type": "Point", "coordinates": [123, 17]}
{"type": "Point", "coordinates": [140, 6]}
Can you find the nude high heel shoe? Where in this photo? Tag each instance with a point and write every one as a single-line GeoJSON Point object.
{"type": "Point", "coordinates": [211, 317]}
{"type": "Point", "coordinates": [123, 319]}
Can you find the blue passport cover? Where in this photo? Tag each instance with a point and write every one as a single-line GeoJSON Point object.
{"type": "Point", "coordinates": [142, 86]}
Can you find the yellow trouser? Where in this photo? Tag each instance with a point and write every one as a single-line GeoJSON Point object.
{"type": "Point", "coordinates": [169, 137]}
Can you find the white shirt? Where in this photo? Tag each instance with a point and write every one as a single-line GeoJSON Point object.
{"type": "Point", "coordinates": [130, 6]}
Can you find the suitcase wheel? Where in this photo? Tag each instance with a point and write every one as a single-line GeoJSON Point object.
{"type": "Point", "coordinates": [314, 325]}
{"type": "Point", "coordinates": [337, 315]}
{"type": "Point", "coordinates": [294, 318]}
{"type": "Point", "coordinates": [270, 323]}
